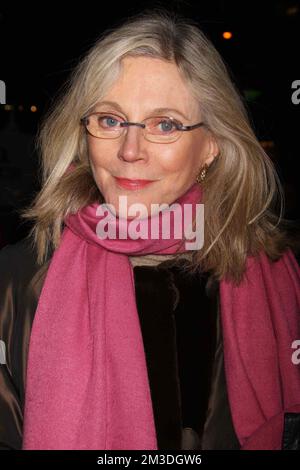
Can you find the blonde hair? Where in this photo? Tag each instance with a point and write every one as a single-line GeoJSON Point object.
{"type": "Point", "coordinates": [241, 189]}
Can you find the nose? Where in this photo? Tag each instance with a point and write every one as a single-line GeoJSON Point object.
{"type": "Point", "coordinates": [130, 148]}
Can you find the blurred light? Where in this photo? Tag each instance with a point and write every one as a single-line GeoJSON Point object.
{"type": "Point", "coordinates": [21, 108]}
{"type": "Point", "coordinates": [33, 109]}
{"type": "Point", "coordinates": [267, 144]}
{"type": "Point", "coordinates": [251, 94]}
{"type": "Point", "coordinates": [293, 10]}
{"type": "Point", "coordinates": [8, 107]}
{"type": "Point", "coordinates": [227, 35]}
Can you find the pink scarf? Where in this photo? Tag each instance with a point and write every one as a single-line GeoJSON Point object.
{"type": "Point", "coordinates": [87, 384]}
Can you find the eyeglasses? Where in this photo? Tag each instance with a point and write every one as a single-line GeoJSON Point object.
{"type": "Point", "coordinates": [159, 129]}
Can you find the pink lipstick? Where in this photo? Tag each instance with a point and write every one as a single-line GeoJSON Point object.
{"type": "Point", "coordinates": [132, 184]}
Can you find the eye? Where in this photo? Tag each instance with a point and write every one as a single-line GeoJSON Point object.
{"type": "Point", "coordinates": [166, 125]}
{"type": "Point", "coordinates": [162, 125]}
{"type": "Point", "coordinates": [108, 121]}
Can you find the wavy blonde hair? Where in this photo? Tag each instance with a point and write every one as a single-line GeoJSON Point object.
{"type": "Point", "coordinates": [241, 189]}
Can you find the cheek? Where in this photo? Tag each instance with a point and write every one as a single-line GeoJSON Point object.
{"type": "Point", "coordinates": [182, 160]}
{"type": "Point", "coordinates": [98, 152]}
{"type": "Point", "coordinates": [99, 158]}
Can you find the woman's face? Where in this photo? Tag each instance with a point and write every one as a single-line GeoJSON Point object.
{"type": "Point", "coordinates": [145, 84]}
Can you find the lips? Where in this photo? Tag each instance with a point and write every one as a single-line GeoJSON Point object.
{"type": "Point", "coordinates": [132, 184]}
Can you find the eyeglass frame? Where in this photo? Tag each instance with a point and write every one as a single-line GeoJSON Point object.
{"type": "Point", "coordinates": [179, 126]}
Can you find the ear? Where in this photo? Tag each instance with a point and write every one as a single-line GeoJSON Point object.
{"type": "Point", "coordinates": [212, 149]}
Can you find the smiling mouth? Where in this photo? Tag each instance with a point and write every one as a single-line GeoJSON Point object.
{"type": "Point", "coordinates": [132, 184]}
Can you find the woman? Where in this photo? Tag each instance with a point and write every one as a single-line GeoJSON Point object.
{"type": "Point", "coordinates": [144, 342]}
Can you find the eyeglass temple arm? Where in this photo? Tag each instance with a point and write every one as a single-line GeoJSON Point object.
{"type": "Point", "coordinates": [189, 128]}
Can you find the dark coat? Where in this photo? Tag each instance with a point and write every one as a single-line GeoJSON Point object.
{"type": "Point", "coordinates": [180, 322]}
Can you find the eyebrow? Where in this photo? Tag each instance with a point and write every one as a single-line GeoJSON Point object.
{"type": "Point", "coordinates": [156, 110]}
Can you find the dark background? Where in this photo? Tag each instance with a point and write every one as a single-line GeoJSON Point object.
{"type": "Point", "coordinates": [41, 43]}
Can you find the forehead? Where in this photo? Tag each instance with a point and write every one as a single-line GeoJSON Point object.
{"type": "Point", "coordinates": [145, 83]}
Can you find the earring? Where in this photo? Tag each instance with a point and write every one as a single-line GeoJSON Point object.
{"type": "Point", "coordinates": [202, 173]}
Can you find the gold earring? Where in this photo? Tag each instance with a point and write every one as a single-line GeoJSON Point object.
{"type": "Point", "coordinates": [202, 173]}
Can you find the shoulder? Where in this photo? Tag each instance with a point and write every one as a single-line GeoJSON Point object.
{"type": "Point", "coordinates": [21, 280]}
{"type": "Point", "coordinates": [18, 262]}
{"type": "Point", "coordinates": [21, 277]}
{"type": "Point", "coordinates": [13, 251]}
